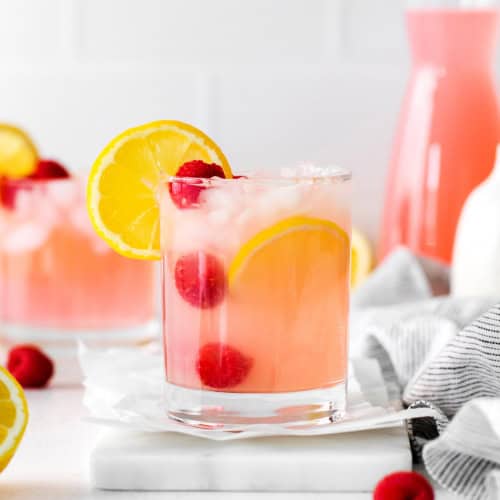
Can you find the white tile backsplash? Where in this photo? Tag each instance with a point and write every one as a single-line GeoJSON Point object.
{"type": "Point", "coordinates": [274, 81]}
{"type": "Point", "coordinates": [374, 30]}
{"type": "Point", "coordinates": [345, 116]}
{"type": "Point", "coordinates": [202, 32]}
{"type": "Point", "coordinates": [72, 116]}
{"type": "Point", "coordinates": [29, 30]}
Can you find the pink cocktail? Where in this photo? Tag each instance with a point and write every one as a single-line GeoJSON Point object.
{"type": "Point", "coordinates": [58, 278]}
{"type": "Point", "coordinates": [449, 125]}
{"type": "Point", "coordinates": [255, 297]}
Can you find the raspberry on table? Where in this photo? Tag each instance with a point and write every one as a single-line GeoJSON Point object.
{"type": "Point", "coordinates": [30, 366]}
{"type": "Point", "coordinates": [403, 485]}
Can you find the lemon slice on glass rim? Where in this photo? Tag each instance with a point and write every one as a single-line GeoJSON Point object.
{"type": "Point", "coordinates": [123, 182]}
{"type": "Point", "coordinates": [18, 154]}
{"type": "Point", "coordinates": [13, 416]}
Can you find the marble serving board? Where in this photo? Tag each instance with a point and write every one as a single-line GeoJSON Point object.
{"type": "Point", "coordinates": [354, 462]}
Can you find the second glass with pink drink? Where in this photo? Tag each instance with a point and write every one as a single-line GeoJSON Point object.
{"type": "Point", "coordinates": [59, 281]}
{"type": "Point", "coordinates": [256, 297]}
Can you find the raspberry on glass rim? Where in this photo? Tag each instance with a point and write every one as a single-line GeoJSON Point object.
{"type": "Point", "coordinates": [186, 195]}
{"type": "Point", "coordinates": [45, 170]}
{"type": "Point", "coordinates": [49, 169]}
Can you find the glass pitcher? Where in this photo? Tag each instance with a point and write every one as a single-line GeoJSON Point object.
{"type": "Point", "coordinates": [449, 125]}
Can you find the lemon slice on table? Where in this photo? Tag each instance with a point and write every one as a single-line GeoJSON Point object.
{"type": "Point", "coordinates": [18, 154]}
{"type": "Point", "coordinates": [13, 416]}
{"type": "Point", "coordinates": [293, 243]}
{"type": "Point", "coordinates": [361, 258]}
{"type": "Point", "coordinates": [123, 182]}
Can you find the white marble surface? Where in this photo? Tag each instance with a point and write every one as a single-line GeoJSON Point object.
{"type": "Point", "coordinates": [352, 462]}
{"type": "Point", "coordinates": [53, 460]}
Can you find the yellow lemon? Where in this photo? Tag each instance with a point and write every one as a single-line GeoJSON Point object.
{"type": "Point", "coordinates": [297, 238]}
{"type": "Point", "coordinates": [291, 278]}
{"type": "Point", "coordinates": [123, 182]}
{"type": "Point", "coordinates": [13, 416]}
{"type": "Point", "coordinates": [18, 154]}
{"type": "Point", "coordinates": [361, 257]}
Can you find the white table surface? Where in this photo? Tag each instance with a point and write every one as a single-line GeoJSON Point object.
{"type": "Point", "coordinates": [52, 460]}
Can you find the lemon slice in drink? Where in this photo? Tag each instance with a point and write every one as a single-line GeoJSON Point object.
{"type": "Point", "coordinates": [361, 258]}
{"type": "Point", "coordinates": [289, 293]}
{"type": "Point", "coordinates": [18, 154]}
{"type": "Point", "coordinates": [13, 416]}
{"type": "Point", "coordinates": [122, 186]}
{"type": "Point", "coordinates": [300, 245]}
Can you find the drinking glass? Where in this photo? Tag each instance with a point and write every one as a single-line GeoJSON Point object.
{"type": "Point", "coordinates": [256, 297]}
{"type": "Point", "coordinates": [59, 280]}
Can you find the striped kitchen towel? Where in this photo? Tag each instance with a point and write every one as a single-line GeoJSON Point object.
{"type": "Point", "coordinates": [442, 352]}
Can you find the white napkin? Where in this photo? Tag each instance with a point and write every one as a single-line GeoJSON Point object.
{"type": "Point", "coordinates": [442, 353]}
{"type": "Point", "coordinates": [123, 387]}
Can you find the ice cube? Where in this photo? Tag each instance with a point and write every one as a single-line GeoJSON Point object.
{"type": "Point", "coordinates": [79, 218]}
{"type": "Point", "coordinates": [309, 170]}
{"type": "Point", "coordinates": [25, 204]}
{"type": "Point", "coordinates": [46, 214]}
{"type": "Point", "coordinates": [219, 217]}
{"type": "Point", "coordinates": [24, 237]}
{"type": "Point", "coordinates": [65, 193]}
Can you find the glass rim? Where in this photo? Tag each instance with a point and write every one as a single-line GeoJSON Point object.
{"type": "Point", "coordinates": [453, 5]}
{"type": "Point", "coordinates": [29, 182]}
{"type": "Point", "coordinates": [333, 175]}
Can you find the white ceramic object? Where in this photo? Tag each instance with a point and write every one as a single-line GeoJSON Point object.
{"type": "Point", "coordinates": [476, 256]}
{"type": "Point", "coordinates": [125, 460]}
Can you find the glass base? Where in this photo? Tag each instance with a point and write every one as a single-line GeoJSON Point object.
{"type": "Point", "coordinates": [20, 333]}
{"type": "Point", "coordinates": [235, 411]}
{"type": "Point", "coordinates": [62, 344]}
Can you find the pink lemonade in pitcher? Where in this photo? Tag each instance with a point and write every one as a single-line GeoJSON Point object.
{"type": "Point", "coordinates": [448, 130]}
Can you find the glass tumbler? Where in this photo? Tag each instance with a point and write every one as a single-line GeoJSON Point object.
{"type": "Point", "coordinates": [256, 298]}
{"type": "Point", "coordinates": [59, 281]}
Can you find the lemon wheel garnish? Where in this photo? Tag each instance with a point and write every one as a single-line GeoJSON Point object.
{"type": "Point", "coordinates": [361, 258]}
{"type": "Point", "coordinates": [289, 237]}
{"type": "Point", "coordinates": [18, 154]}
{"type": "Point", "coordinates": [13, 416]}
{"type": "Point", "coordinates": [123, 182]}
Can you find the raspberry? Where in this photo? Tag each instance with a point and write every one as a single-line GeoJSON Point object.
{"type": "Point", "coordinates": [221, 366]}
{"type": "Point", "coordinates": [403, 486]}
{"type": "Point", "coordinates": [45, 170]}
{"type": "Point", "coordinates": [8, 190]}
{"type": "Point", "coordinates": [49, 169]}
{"type": "Point", "coordinates": [30, 366]}
{"type": "Point", "coordinates": [186, 194]}
{"type": "Point", "coordinates": [200, 279]}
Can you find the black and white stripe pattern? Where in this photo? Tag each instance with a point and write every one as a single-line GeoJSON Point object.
{"type": "Point", "coordinates": [468, 367]}
{"type": "Point", "coordinates": [442, 353]}
{"type": "Point", "coordinates": [460, 375]}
